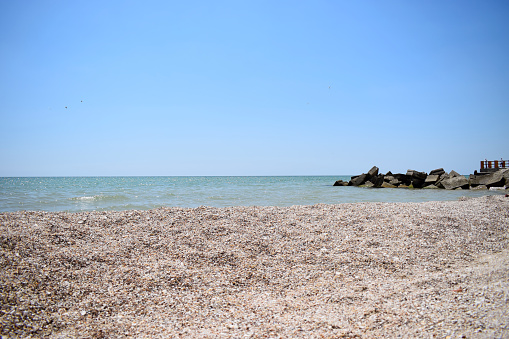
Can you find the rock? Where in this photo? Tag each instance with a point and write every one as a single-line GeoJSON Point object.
{"type": "Point", "coordinates": [496, 179]}
{"type": "Point", "coordinates": [417, 183]}
{"type": "Point", "coordinates": [417, 178]}
{"type": "Point", "coordinates": [438, 172]}
{"type": "Point", "coordinates": [430, 187]}
{"type": "Point", "coordinates": [455, 182]}
{"type": "Point", "coordinates": [477, 179]}
{"type": "Point", "coordinates": [405, 179]}
{"type": "Point", "coordinates": [358, 180]}
{"type": "Point", "coordinates": [442, 178]}
{"type": "Point", "coordinates": [395, 182]}
{"type": "Point", "coordinates": [416, 174]}
{"type": "Point", "coordinates": [368, 184]}
{"type": "Point", "coordinates": [431, 179]}
{"type": "Point", "coordinates": [437, 178]}
{"type": "Point", "coordinates": [378, 180]}
{"type": "Point", "coordinates": [388, 185]}
{"type": "Point", "coordinates": [373, 172]}
{"type": "Point", "coordinates": [388, 178]}
{"type": "Point", "coordinates": [364, 177]}
{"type": "Point", "coordinates": [454, 174]}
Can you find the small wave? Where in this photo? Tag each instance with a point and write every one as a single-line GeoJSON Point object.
{"type": "Point", "coordinates": [95, 197]}
{"type": "Point", "coordinates": [101, 197]}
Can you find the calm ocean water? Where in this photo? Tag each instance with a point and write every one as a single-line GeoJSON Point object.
{"type": "Point", "coordinates": [126, 193]}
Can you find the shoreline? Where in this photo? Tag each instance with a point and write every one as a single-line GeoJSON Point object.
{"type": "Point", "coordinates": [362, 269]}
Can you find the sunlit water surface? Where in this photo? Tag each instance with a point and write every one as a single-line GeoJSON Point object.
{"type": "Point", "coordinates": [141, 193]}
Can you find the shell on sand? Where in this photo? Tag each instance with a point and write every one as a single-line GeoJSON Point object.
{"type": "Point", "coordinates": [351, 270]}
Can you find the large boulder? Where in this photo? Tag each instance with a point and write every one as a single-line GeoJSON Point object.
{"type": "Point", "coordinates": [417, 178]}
{"type": "Point", "coordinates": [364, 177]}
{"type": "Point", "coordinates": [377, 180]}
{"type": "Point", "coordinates": [438, 171]}
{"type": "Point", "coordinates": [388, 177]}
{"type": "Point", "coordinates": [416, 174]}
{"type": "Point", "coordinates": [442, 178]}
{"type": "Point", "coordinates": [454, 174]}
{"type": "Point", "coordinates": [417, 183]}
{"type": "Point", "coordinates": [496, 179]}
{"type": "Point", "coordinates": [358, 180]}
{"type": "Point", "coordinates": [455, 182]}
{"type": "Point", "coordinates": [340, 183]}
{"type": "Point", "coordinates": [373, 172]}
{"type": "Point", "coordinates": [368, 184]}
{"type": "Point", "coordinates": [431, 179]}
{"type": "Point", "coordinates": [403, 178]}
{"type": "Point", "coordinates": [395, 182]}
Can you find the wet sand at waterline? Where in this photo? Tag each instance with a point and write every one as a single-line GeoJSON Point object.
{"type": "Point", "coordinates": [361, 270]}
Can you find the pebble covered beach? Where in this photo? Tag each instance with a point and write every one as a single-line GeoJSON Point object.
{"type": "Point", "coordinates": [360, 270]}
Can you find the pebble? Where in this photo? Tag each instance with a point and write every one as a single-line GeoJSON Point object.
{"type": "Point", "coordinates": [431, 269]}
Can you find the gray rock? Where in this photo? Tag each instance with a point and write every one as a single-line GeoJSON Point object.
{"type": "Point", "coordinates": [388, 185]}
{"type": "Point", "coordinates": [442, 178]}
{"type": "Point", "coordinates": [358, 180]}
{"type": "Point", "coordinates": [431, 179]}
{"type": "Point", "coordinates": [416, 174]}
{"type": "Point", "coordinates": [340, 183]}
{"type": "Point", "coordinates": [455, 182]}
{"type": "Point", "coordinates": [377, 180]}
{"type": "Point", "coordinates": [373, 171]}
{"type": "Point", "coordinates": [368, 184]}
{"type": "Point", "coordinates": [454, 174]}
{"type": "Point", "coordinates": [438, 172]}
{"type": "Point", "coordinates": [496, 179]}
{"type": "Point", "coordinates": [403, 178]}
{"type": "Point", "coordinates": [417, 183]}
{"type": "Point", "coordinates": [431, 187]}
{"type": "Point", "coordinates": [395, 182]}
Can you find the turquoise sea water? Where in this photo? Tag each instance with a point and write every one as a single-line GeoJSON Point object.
{"type": "Point", "coordinates": [126, 193]}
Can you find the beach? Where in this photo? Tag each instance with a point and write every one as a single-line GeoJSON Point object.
{"type": "Point", "coordinates": [354, 270]}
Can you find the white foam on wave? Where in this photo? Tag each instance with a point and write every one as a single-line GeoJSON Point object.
{"type": "Point", "coordinates": [85, 198]}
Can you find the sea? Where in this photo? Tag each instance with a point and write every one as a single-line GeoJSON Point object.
{"type": "Point", "coordinates": [75, 194]}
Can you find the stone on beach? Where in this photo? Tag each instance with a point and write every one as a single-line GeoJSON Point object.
{"type": "Point", "coordinates": [365, 270]}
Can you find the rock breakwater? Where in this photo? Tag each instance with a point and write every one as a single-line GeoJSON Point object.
{"type": "Point", "coordinates": [437, 178]}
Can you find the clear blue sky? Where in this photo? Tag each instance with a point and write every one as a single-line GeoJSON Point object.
{"type": "Point", "coordinates": [251, 87]}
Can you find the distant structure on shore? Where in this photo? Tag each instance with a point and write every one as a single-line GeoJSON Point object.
{"type": "Point", "coordinates": [488, 166]}
{"type": "Point", "coordinates": [493, 175]}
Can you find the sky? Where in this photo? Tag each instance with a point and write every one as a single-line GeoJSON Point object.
{"type": "Point", "coordinates": [114, 88]}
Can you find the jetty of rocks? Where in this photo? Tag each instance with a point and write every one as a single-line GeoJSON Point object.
{"type": "Point", "coordinates": [437, 178]}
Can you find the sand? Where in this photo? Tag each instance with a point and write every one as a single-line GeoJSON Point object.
{"type": "Point", "coordinates": [364, 270]}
